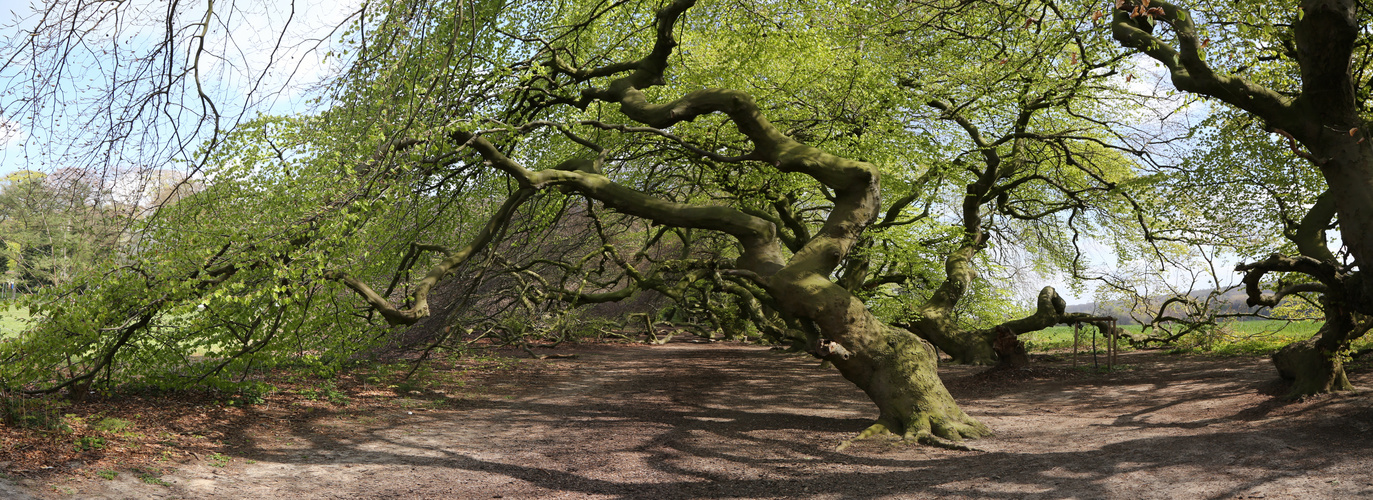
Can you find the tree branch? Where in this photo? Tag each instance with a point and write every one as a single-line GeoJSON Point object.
{"type": "Point", "coordinates": [420, 309]}
{"type": "Point", "coordinates": [1131, 25]}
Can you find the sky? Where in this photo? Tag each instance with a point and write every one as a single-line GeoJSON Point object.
{"type": "Point", "coordinates": [10, 133]}
{"type": "Point", "coordinates": [245, 35]}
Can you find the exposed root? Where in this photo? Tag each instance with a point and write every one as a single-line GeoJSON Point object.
{"type": "Point", "coordinates": [547, 356]}
{"type": "Point", "coordinates": [918, 435]}
{"type": "Point", "coordinates": [876, 429]}
{"type": "Point", "coordinates": [929, 439]}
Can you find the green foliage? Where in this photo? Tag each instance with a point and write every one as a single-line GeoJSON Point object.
{"type": "Point", "coordinates": [112, 424]}
{"type": "Point", "coordinates": [1207, 337]}
{"type": "Point", "coordinates": [88, 443]}
{"type": "Point", "coordinates": [243, 274]}
{"type": "Point", "coordinates": [1298, 308]}
{"type": "Point", "coordinates": [576, 325]}
{"type": "Point", "coordinates": [1211, 202]}
{"type": "Point", "coordinates": [227, 281]}
{"type": "Point", "coordinates": [219, 460]}
{"type": "Point", "coordinates": [33, 413]}
{"type": "Point", "coordinates": [153, 478]}
{"type": "Point", "coordinates": [55, 226]}
{"type": "Point", "coordinates": [107, 474]}
{"type": "Point", "coordinates": [326, 392]}
{"type": "Point", "coordinates": [249, 394]}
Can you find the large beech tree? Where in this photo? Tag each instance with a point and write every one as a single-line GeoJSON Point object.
{"type": "Point", "coordinates": [1302, 74]}
{"type": "Point", "coordinates": [894, 367]}
{"type": "Point", "coordinates": [1034, 158]}
{"type": "Point", "coordinates": [452, 122]}
{"type": "Point", "coordinates": [301, 205]}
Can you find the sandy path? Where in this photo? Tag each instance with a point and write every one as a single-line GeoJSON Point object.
{"type": "Point", "coordinates": [729, 421]}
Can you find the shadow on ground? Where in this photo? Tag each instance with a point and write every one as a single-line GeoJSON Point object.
{"type": "Point", "coordinates": [732, 421]}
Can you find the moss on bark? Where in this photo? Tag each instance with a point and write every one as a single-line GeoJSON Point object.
{"type": "Point", "coordinates": [899, 375]}
{"type": "Point", "coordinates": [1312, 369]}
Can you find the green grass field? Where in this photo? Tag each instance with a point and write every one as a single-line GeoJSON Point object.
{"type": "Point", "coordinates": [12, 321]}
{"type": "Point", "coordinates": [1232, 338]}
{"type": "Point", "coordinates": [1235, 338]}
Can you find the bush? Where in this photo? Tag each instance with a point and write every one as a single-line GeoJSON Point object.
{"type": "Point", "coordinates": [33, 413]}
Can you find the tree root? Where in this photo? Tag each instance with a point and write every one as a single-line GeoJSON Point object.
{"type": "Point", "coordinates": [929, 439]}
{"type": "Point", "coordinates": [916, 434]}
{"type": "Point", "coordinates": [547, 356]}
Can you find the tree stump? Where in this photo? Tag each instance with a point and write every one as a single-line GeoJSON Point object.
{"type": "Point", "coordinates": [1010, 351]}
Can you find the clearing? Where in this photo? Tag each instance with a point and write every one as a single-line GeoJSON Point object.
{"type": "Point", "coordinates": [725, 420]}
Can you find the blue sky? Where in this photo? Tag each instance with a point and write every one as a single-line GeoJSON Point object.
{"type": "Point", "coordinates": [236, 73]}
{"type": "Point", "coordinates": [10, 11]}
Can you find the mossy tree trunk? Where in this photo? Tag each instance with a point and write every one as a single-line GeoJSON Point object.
{"type": "Point", "coordinates": [1316, 365]}
{"type": "Point", "coordinates": [1312, 368]}
{"type": "Point", "coordinates": [978, 346]}
{"type": "Point", "coordinates": [934, 320]}
{"type": "Point", "coordinates": [896, 369]}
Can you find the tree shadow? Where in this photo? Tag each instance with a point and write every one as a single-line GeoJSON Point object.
{"type": "Point", "coordinates": [735, 423]}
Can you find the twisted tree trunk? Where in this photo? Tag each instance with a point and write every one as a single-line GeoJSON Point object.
{"type": "Point", "coordinates": [895, 368]}
{"type": "Point", "coordinates": [978, 346]}
{"type": "Point", "coordinates": [1316, 365]}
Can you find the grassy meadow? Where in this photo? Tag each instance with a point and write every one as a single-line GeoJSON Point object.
{"type": "Point", "coordinates": [14, 319]}
{"type": "Point", "coordinates": [1233, 338]}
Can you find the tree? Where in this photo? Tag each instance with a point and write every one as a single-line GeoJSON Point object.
{"type": "Point", "coordinates": [54, 227]}
{"type": "Point", "coordinates": [1301, 74]}
{"type": "Point", "coordinates": [1032, 162]}
{"type": "Point", "coordinates": [1206, 204]}
{"type": "Point", "coordinates": [243, 290]}
{"type": "Point", "coordinates": [501, 112]}
{"type": "Point", "coordinates": [895, 368]}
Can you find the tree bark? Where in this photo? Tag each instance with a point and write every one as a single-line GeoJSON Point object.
{"type": "Point", "coordinates": [965, 347]}
{"type": "Point", "coordinates": [978, 347]}
{"type": "Point", "coordinates": [1009, 349]}
{"type": "Point", "coordinates": [934, 321]}
{"type": "Point", "coordinates": [895, 368]}
{"type": "Point", "coordinates": [1316, 365]}
{"type": "Point", "coordinates": [1312, 369]}
{"type": "Point", "coordinates": [898, 374]}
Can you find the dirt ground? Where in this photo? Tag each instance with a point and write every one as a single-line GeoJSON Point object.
{"type": "Point", "coordinates": [723, 420]}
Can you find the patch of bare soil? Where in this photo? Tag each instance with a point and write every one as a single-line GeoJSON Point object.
{"type": "Point", "coordinates": [723, 420]}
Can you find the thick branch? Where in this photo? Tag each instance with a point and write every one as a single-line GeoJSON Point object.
{"type": "Point", "coordinates": [1188, 71]}
{"type": "Point", "coordinates": [1324, 272]}
{"type": "Point", "coordinates": [420, 310]}
{"type": "Point", "coordinates": [1049, 311]}
{"type": "Point", "coordinates": [1310, 234]}
{"type": "Point", "coordinates": [855, 183]}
